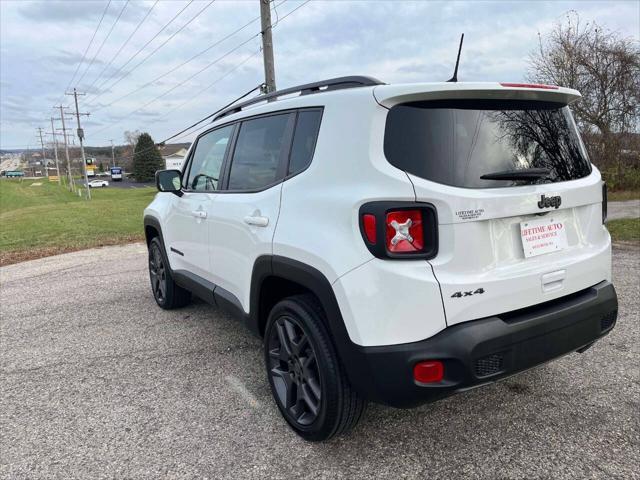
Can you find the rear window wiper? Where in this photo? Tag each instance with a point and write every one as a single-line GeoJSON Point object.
{"type": "Point", "coordinates": [524, 174]}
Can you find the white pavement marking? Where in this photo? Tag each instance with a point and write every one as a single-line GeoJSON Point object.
{"type": "Point", "coordinates": [239, 387]}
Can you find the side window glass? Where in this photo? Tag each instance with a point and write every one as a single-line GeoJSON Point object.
{"type": "Point", "coordinates": [206, 163]}
{"type": "Point", "coordinates": [259, 149]}
{"type": "Point", "coordinates": [304, 140]}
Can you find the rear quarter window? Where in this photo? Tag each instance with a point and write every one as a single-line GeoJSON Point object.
{"type": "Point", "coordinates": [304, 140]}
{"type": "Point", "coordinates": [455, 142]}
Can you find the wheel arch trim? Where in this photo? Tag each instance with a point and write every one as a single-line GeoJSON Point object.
{"type": "Point", "coordinates": [150, 221]}
{"type": "Point", "coordinates": [313, 280]}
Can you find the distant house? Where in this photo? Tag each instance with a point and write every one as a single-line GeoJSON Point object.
{"type": "Point", "coordinates": [36, 159]}
{"type": "Point", "coordinates": [174, 155]}
{"type": "Point", "coordinates": [175, 160]}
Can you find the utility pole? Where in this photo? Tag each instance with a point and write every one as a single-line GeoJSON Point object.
{"type": "Point", "coordinates": [81, 137]}
{"type": "Point", "coordinates": [267, 46]}
{"type": "Point", "coordinates": [28, 159]}
{"type": "Point", "coordinates": [113, 155]}
{"type": "Point", "coordinates": [55, 150]}
{"type": "Point", "coordinates": [66, 148]}
{"type": "Point", "coordinates": [44, 160]}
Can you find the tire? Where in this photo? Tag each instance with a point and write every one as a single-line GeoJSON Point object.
{"type": "Point", "coordinates": [307, 380]}
{"type": "Point", "coordinates": [167, 293]}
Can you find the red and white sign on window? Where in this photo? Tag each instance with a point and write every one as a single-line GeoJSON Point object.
{"type": "Point", "coordinates": [542, 236]}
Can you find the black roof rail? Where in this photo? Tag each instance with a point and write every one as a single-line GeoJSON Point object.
{"type": "Point", "coordinates": [315, 87]}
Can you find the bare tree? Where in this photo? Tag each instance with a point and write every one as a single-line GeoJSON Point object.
{"type": "Point", "coordinates": [131, 139]}
{"type": "Point", "coordinates": [605, 68]}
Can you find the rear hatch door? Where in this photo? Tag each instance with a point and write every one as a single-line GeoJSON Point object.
{"type": "Point", "coordinates": [531, 230]}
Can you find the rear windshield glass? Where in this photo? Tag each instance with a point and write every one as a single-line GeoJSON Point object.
{"type": "Point", "coordinates": [455, 142]}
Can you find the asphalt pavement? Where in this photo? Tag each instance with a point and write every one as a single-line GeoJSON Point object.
{"type": "Point", "coordinates": [625, 209]}
{"type": "Point", "coordinates": [124, 183]}
{"type": "Point", "coordinates": [129, 183]}
{"type": "Point", "coordinates": [98, 382]}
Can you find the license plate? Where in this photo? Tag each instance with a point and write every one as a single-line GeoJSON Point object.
{"type": "Point", "coordinates": [542, 236]}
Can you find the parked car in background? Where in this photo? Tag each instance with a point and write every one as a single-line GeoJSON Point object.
{"type": "Point", "coordinates": [98, 183]}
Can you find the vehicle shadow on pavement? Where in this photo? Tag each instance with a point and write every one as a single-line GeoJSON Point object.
{"type": "Point", "coordinates": [501, 429]}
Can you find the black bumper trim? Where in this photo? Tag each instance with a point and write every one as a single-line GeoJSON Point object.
{"type": "Point", "coordinates": [486, 350]}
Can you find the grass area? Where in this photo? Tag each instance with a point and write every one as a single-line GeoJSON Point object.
{"type": "Point", "coordinates": [627, 230]}
{"type": "Point", "coordinates": [623, 195]}
{"type": "Point", "coordinates": [37, 221]}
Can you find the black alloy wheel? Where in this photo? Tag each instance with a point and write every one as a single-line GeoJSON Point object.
{"type": "Point", "coordinates": [306, 376]}
{"type": "Point", "coordinates": [166, 292]}
{"type": "Point", "coordinates": [293, 369]}
{"type": "Point", "coordinates": [158, 274]}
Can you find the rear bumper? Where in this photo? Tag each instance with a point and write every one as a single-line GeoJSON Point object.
{"type": "Point", "coordinates": [483, 351]}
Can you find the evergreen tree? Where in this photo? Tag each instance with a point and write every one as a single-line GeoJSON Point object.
{"type": "Point", "coordinates": [146, 159]}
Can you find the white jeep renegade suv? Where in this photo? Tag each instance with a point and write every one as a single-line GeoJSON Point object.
{"type": "Point", "coordinates": [390, 243]}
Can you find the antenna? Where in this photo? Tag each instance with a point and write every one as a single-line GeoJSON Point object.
{"type": "Point", "coordinates": [455, 72]}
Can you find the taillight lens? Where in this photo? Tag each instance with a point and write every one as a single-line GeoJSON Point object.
{"type": "Point", "coordinates": [405, 232]}
{"type": "Point", "coordinates": [397, 229]}
{"type": "Point", "coordinates": [369, 226]}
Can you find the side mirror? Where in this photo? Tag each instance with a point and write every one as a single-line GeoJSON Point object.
{"type": "Point", "coordinates": [169, 181]}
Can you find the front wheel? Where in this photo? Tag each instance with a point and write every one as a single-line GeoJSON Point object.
{"type": "Point", "coordinates": [306, 377]}
{"type": "Point", "coordinates": [167, 293]}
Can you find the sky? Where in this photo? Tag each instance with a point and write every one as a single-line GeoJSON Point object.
{"type": "Point", "coordinates": [161, 66]}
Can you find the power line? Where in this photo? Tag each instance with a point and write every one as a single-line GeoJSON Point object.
{"type": "Point", "coordinates": [212, 114]}
{"type": "Point", "coordinates": [123, 45]}
{"type": "Point", "coordinates": [158, 47]}
{"type": "Point", "coordinates": [208, 87]}
{"type": "Point", "coordinates": [190, 99]}
{"type": "Point", "coordinates": [208, 125]}
{"type": "Point", "coordinates": [103, 42]}
{"type": "Point", "coordinates": [141, 49]}
{"type": "Point", "coordinates": [181, 132]}
{"type": "Point", "coordinates": [88, 47]}
{"type": "Point", "coordinates": [209, 65]}
{"type": "Point", "coordinates": [218, 42]}
{"type": "Point", "coordinates": [206, 67]}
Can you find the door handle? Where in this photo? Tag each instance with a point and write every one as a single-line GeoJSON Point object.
{"type": "Point", "coordinates": [258, 221]}
{"type": "Point", "coordinates": [199, 214]}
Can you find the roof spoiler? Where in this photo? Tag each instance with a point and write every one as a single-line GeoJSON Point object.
{"type": "Point", "coordinates": [390, 95]}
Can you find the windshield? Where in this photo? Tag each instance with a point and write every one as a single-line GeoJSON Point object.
{"type": "Point", "coordinates": [455, 142]}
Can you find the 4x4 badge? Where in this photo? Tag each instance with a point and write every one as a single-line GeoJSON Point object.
{"type": "Point", "coordinates": [467, 293]}
{"type": "Point", "coordinates": [546, 202]}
